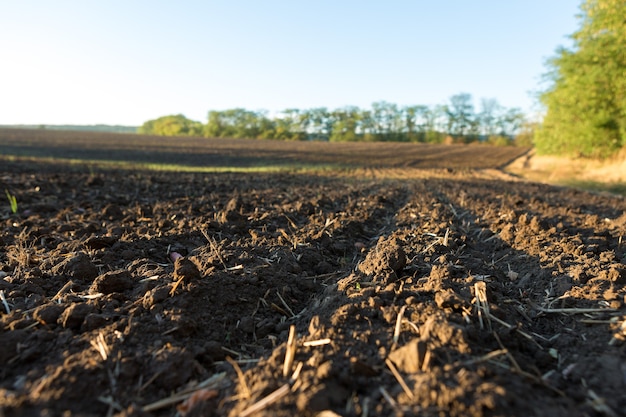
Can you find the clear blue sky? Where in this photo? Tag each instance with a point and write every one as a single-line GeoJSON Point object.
{"type": "Point", "coordinates": [127, 61]}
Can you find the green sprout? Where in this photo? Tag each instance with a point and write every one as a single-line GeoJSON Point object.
{"type": "Point", "coordinates": [12, 201]}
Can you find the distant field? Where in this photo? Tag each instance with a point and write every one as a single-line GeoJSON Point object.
{"type": "Point", "coordinates": [94, 147]}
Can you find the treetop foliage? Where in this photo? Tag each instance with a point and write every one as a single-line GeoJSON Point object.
{"type": "Point", "coordinates": [586, 99]}
{"type": "Point", "coordinates": [456, 121]}
{"type": "Point", "coordinates": [174, 125]}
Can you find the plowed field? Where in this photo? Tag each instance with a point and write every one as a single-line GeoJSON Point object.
{"type": "Point", "coordinates": [424, 282]}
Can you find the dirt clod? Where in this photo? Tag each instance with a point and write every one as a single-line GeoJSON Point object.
{"type": "Point", "coordinates": [386, 259]}
{"type": "Point", "coordinates": [73, 316]}
{"type": "Point", "coordinates": [186, 269]}
{"type": "Point", "coordinates": [116, 281]}
{"type": "Point", "coordinates": [48, 313]}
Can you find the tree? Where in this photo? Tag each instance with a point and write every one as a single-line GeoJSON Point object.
{"type": "Point", "coordinates": [415, 123]}
{"type": "Point", "coordinates": [490, 111]}
{"type": "Point", "coordinates": [586, 98]}
{"type": "Point", "coordinates": [510, 121]}
{"type": "Point", "coordinates": [387, 121]}
{"type": "Point", "coordinates": [436, 124]}
{"type": "Point", "coordinates": [236, 123]}
{"type": "Point", "coordinates": [461, 117]}
{"type": "Point", "coordinates": [319, 123]}
{"type": "Point", "coordinates": [345, 125]}
{"type": "Point", "coordinates": [291, 125]}
{"type": "Point", "coordinates": [173, 125]}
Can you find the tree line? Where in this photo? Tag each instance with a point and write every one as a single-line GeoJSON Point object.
{"type": "Point", "coordinates": [454, 122]}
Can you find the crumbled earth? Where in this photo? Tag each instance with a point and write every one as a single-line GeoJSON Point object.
{"type": "Point", "coordinates": [135, 293]}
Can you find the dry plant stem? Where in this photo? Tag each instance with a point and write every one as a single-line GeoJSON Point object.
{"type": "Point", "coordinates": [508, 354]}
{"type": "Point", "coordinates": [480, 290]}
{"type": "Point", "coordinates": [599, 404]}
{"type": "Point", "coordinates": [274, 396]}
{"type": "Point", "coordinates": [576, 310]}
{"type": "Point", "coordinates": [108, 400]}
{"type": "Point", "coordinates": [285, 304]}
{"type": "Point", "coordinates": [63, 290]}
{"type": "Point", "coordinates": [532, 377]}
{"type": "Point", "coordinates": [291, 351]}
{"type": "Point", "coordinates": [242, 379]}
{"type": "Point", "coordinates": [241, 361]}
{"type": "Point", "coordinates": [209, 383]}
{"type": "Point", "coordinates": [149, 382]}
{"type": "Point", "coordinates": [213, 245]}
{"type": "Point", "coordinates": [233, 352]}
{"type": "Point", "coordinates": [412, 325]}
{"type": "Point", "coordinates": [291, 222]}
{"type": "Point", "coordinates": [319, 342]}
{"type": "Point", "coordinates": [401, 380]}
{"type": "Point", "coordinates": [261, 404]}
{"type": "Point", "coordinates": [175, 287]}
{"type": "Point", "coordinates": [365, 407]}
{"type": "Point", "coordinates": [489, 356]}
{"type": "Point", "coordinates": [4, 302]}
{"type": "Point", "coordinates": [396, 332]}
{"type": "Point", "coordinates": [279, 309]}
{"type": "Point", "coordinates": [296, 373]}
{"type": "Point", "coordinates": [101, 346]}
{"type": "Point", "coordinates": [510, 326]}
{"type": "Point", "coordinates": [388, 398]}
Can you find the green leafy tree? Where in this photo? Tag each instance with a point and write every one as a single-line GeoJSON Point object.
{"type": "Point", "coordinates": [291, 125]}
{"type": "Point", "coordinates": [525, 134]}
{"type": "Point", "coordinates": [462, 121]}
{"type": "Point", "coordinates": [435, 123]}
{"type": "Point", "coordinates": [173, 125]}
{"type": "Point", "coordinates": [319, 123]}
{"type": "Point", "coordinates": [346, 123]}
{"type": "Point", "coordinates": [236, 123]}
{"type": "Point", "coordinates": [490, 111]}
{"type": "Point", "coordinates": [586, 98]}
{"type": "Point", "coordinates": [510, 122]}
{"type": "Point", "coordinates": [387, 121]}
{"type": "Point", "coordinates": [415, 123]}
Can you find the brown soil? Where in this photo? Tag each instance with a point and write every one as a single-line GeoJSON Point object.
{"type": "Point", "coordinates": [432, 293]}
{"type": "Point", "coordinates": [245, 153]}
